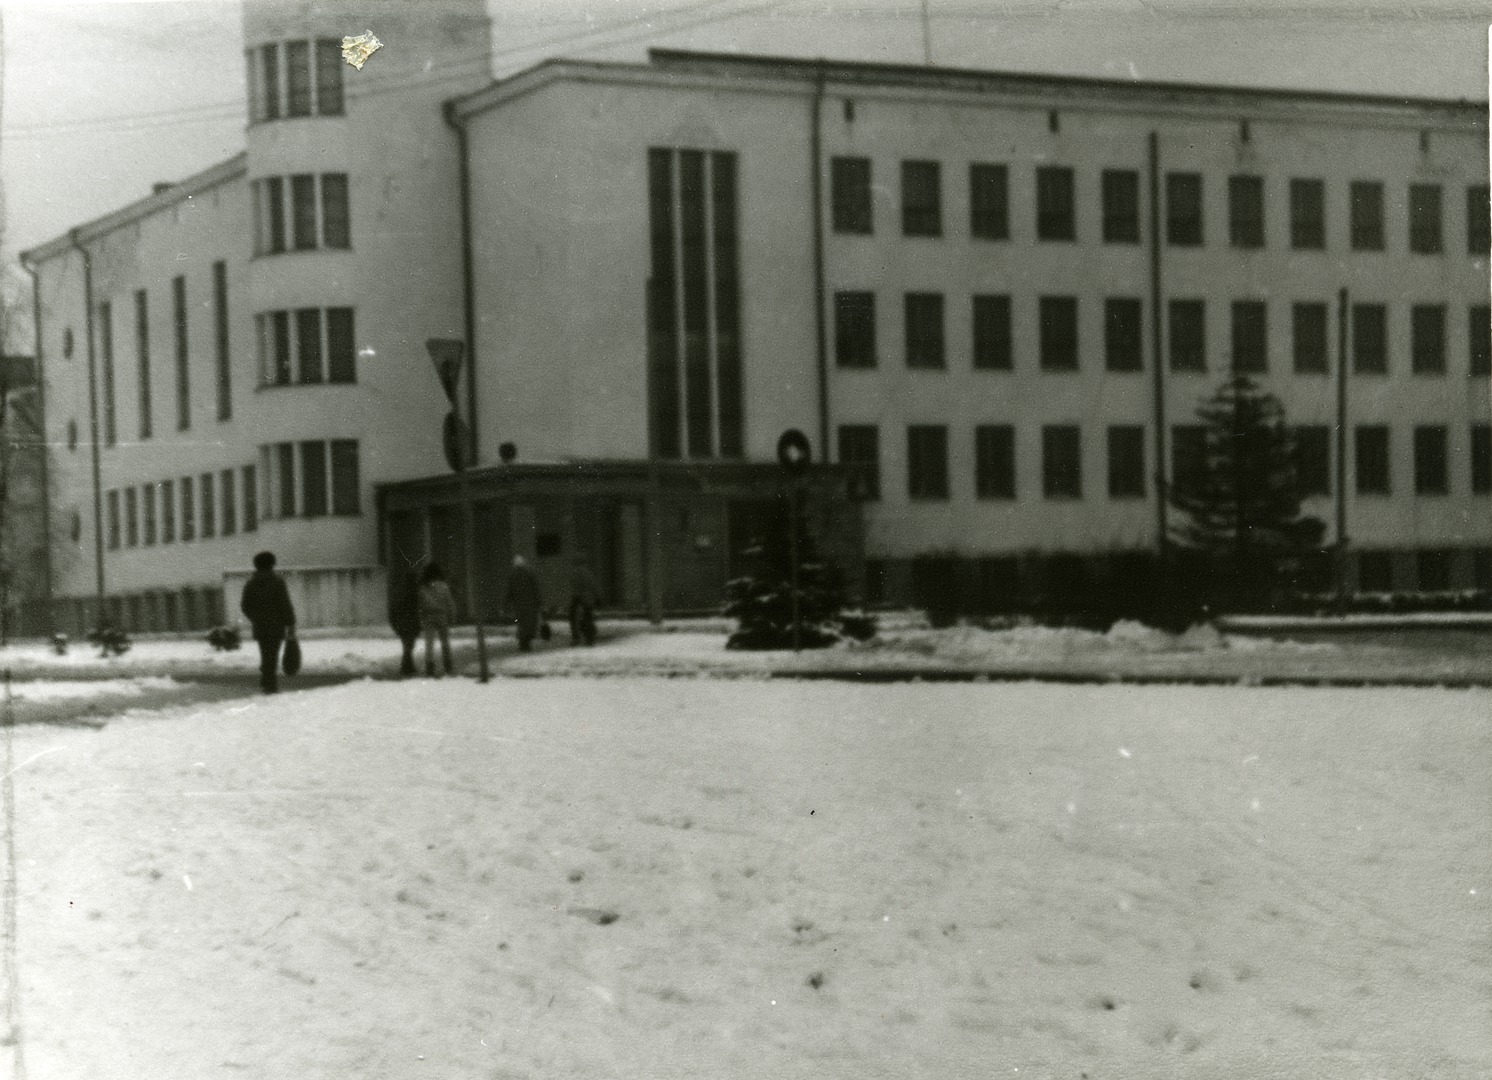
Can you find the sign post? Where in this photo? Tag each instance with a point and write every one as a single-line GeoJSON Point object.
{"type": "Point", "coordinates": [447, 354]}
{"type": "Point", "coordinates": [794, 454]}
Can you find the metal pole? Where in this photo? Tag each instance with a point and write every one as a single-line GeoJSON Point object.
{"type": "Point", "coordinates": [1340, 567]}
{"type": "Point", "coordinates": [471, 573]}
{"type": "Point", "coordinates": [793, 559]}
{"type": "Point", "coordinates": [1158, 371]}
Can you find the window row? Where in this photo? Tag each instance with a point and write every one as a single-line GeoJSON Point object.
{"type": "Point", "coordinates": [308, 346]}
{"type": "Point", "coordinates": [310, 479]}
{"type": "Point", "coordinates": [994, 459]}
{"type": "Point", "coordinates": [1056, 207]}
{"type": "Point", "coordinates": [295, 78]}
{"type": "Point", "coordinates": [189, 508]}
{"type": "Point", "coordinates": [993, 340]}
{"type": "Point", "coordinates": [302, 212]}
{"type": "Point", "coordinates": [1425, 570]}
{"type": "Point", "coordinates": [180, 354]}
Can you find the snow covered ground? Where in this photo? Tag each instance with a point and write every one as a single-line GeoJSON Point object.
{"type": "Point", "coordinates": [664, 878]}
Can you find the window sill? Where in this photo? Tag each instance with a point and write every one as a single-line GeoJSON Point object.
{"type": "Point", "coordinates": [322, 250]}
{"type": "Point", "coordinates": [262, 387]}
{"type": "Point", "coordinates": [996, 498]}
{"type": "Point", "coordinates": [928, 498]}
{"type": "Point", "coordinates": [1432, 494]}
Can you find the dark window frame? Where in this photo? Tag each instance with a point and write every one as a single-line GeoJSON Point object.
{"type": "Point", "coordinates": [989, 201]}
{"type": "Point", "coordinates": [1370, 339]}
{"type": "Point", "coordinates": [1372, 446]}
{"type": "Point", "coordinates": [1186, 334]}
{"type": "Point", "coordinates": [1060, 346]}
{"type": "Point", "coordinates": [1123, 334]}
{"type": "Point", "coordinates": [927, 462]}
{"type": "Point", "coordinates": [1426, 219]}
{"type": "Point", "coordinates": [1061, 462]}
{"type": "Point", "coordinates": [1427, 339]}
{"type": "Point", "coordinates": [1056, 203]}
{"type": "Point", "coordinates": [1246, 223]}
{"type": "Point", "coordinates": [993, 336]}
{"type": "Point", "coordinates": [852, 206]}
{"type": "Point", "coordinates": [994, 461]}
{"type": "Point", "coordinates": [1121, 206]}
{"type": "Point", "coordinates": [1250, 337]}
{"type": "Point", "coordinates": [926, 331]}
{"type": "Point", "coordinates": [1309, 337]}
{"type": "Point", "coordinates": [1431, 460]}
{"type": "Point", "coordinates": [1366, 218]}
{"type": "Point", "coordinates": [1126, 461]}
{"type": "Point", "coordinates": [1185, 196]}
{"type": "Point", "coordinates": [921, 198]}
{"type": "Point", "coordinates": [860, 450]}
{"type": "Point", "coordinates": [1313, 459]}
{"type": "Point", "coordinates": [855, 329]}
{"type": "Point", "coordinates": [1307, 213]}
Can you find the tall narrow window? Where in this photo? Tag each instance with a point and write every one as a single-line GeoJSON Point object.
{"type": "Point", "coordinates": [1369, 339]}
{"type": "Point", "coordinates": [1427, 338]}
{"type": "Point", "coordinates": [1054, 203]}
{"type": "Point", "coordinates": [1188, 336]}
{"type": "Point", "coordinates": [994, 461]}
{"type": "Point", "coordinates": [255, 86]}
{"type": "Point", "coordinates": [346, 485]}
{"type": "Point", "coordinates": [106, 340]}
{"type": "Point", "coordinates": [1479, 339]}
{"type": "Point", "coordinates": [1059, 333]}
{"type": "Point", "coordinates": [989, 201]}
{"type": "Point", "coordinates": [308, 344]}
{"type": "Point", "coordinates": [1481, 459]}
{"type": "Point", "coordinates": [142, 360]}
{"type": "Point", "coordinates": [855, 329]}
{"type": "Point", "coordinates": [329, 77]}
{"type": "Point", "coordinates": [849, 190]}
{"type": "Point", "coordinates": [924, 326]}
{"type": "Point", "coordinates": [220, 326]}
{"type": "Point", "coordinates": [131, 517]}
{"type": "Point", "coordinates": [303, 211]}
{"type": "Point", "coordinates": [992, 345]}
{"type": "Point", "coordinates": [278, 369]}
{"type": "Point", "coordinates": [1188, 454]}
{"type": "Point", "coordinates": [1061, 462]}
{"type": "Point", "coordinates": [730, 402]}
{"type": "Point", "coordinates": [1370, 446]}
{"type": "Point", "coordinates": [699, 425]}
{"type": "Point", "coordinates": [1121, 206]}
{"type": "Point", "coordinates": [209, 506]}
{"type": "Point", "coordinates": [228, 489]}
{"type": "Point", "coordinates": [860, 448]}
{"type": "Point", "coordinates": [1313, 459]}
{"type": "Point", "coordinates": [250, 498]}
{"type": "Point", "coordinates": [1367, 215]}
{"type": "Point", "coordinates": [272, 189]}
{"type": "Point", "coordinates": [1308, 322]}
{"type": "Point", "coordinates": [1184, 209]}
{"type": "Point", "coordinates": [285, 470]}
{"type": "Point", "coordinates": [1430, 473]}
{"type": "Point", "coordinates": [927, 461]}
{"type": "Point", "coordinates": [1126, 461]}
{"type": "Point", "coordinates": [111, 505]}
{"type": "Point", "coordinates": [298, 78]}
{"type": "Point", "coordinates": [147, 502]}
{"type": "Point", "coordinates": [921, 199]}
{"type": "Point", "coordinates": [1250, 337]}
{"type": "Point", "coordinates": [1424, 219]}
{"type": "Point", "coordinates": [336, 226]}
{"type": "Point", "coordinates": [341, 363]}
{"type": "Point", "coordinates": [188, 510]}
{"type": "Point", "coordinates": [1307, 214]}
{"type": "Point", "coordinates": [662, 309]}
{"type": "Point", "coordinates": [313, 502]}
{"type": "Point", "coordinates": [183, 358]}
{"type": "Point", "coordinates": [168, 511]}
{"type": "Point", "coordinates": [1122, 334]}
{"type": "Point", "coordinates": [270, 80]}
{"type": "Point", "coordinates": [1246, 211]}
{"type": "Point", "coordinates": [1478, 220]}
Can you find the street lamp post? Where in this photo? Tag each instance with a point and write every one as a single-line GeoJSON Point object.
{"type": "Point", "coordinates": [447, 354]}
{"type": "Point", "coordinates": [794, 453]}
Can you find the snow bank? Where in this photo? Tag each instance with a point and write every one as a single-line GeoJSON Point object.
{"type": "Point", "coordinates": [53, 690]}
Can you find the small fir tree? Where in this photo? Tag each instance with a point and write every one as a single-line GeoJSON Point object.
{"type": "Point", "coordinates": [1242, 497]}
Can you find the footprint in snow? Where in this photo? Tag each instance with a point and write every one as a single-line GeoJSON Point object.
{"type": "Point", "coordinates": [599, 916]}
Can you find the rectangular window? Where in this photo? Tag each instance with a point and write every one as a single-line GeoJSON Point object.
{"type": "Point", "coordinates": [106, 342]}
{"type": "Point", "coordinates": [1246, 211]}
{"type": "Point", "coordinates": [1059, 333]}
{"type": "Point", "coordinates": [661, 305]}
{"type": "Point", "coordinates": [336, 227]}
{"type": "Point", "coordinates": [147, 500]}
{"type": "Point", "coordinates": [927, 461]}
{"type": "Point", "coordinates": [1430, 473]}
{"type": "Point", "coordinates": [209, 506]}
{"type": "Point", "coordinates": [1481, 569]}
{"type": "Point", "coordinates": [228, 486]}
{"type": "Point", "coordinates": [1122, 334]}
{"type": "Point", "coordinates": [142, 360]}
{"type": "Point", "coordinates": [111, 504]}
{"type": "Point", "coordinates": [1424, 219]}
{"type": "Point", "coordinates": [346, 485]}
{"type": "Point", "coordinates": [1250, 337]}
{"type": "Point", "coordinates": [855, 329]}
{"type": "Point", "coordinates": [849, 189]}
{"type": "Point", "coordinates": [272, 189]}
{"type": "Point", "coordinates": [1478, 220]}
{"type": "Point", "coordinates": [994, 461]}
{"type": "Point", "coordinates": [1055, 218]}
{"type": "Point", "coordinates": [1313, 459]}
{"type": "Point", "coordinates": [1433, 570]}
{"type": "Point", "coordinates": [329, 77]}
{"type": "Point", "coordinates": [131, 517]}
{"type": "Point", "coordinates": [1481, 459]}
{"type": "Point", "coordinates": [1369, 339]}
{"type": "Point", "coordinates": [860, 448]}
{"type": "Point", "coordinates": [1188, 455]}
{"type": "Point", "coordinates": [1367, 215]}
{"type": "Point", "coordinates": [341, 363]}
{"type": "Point", "coordinates": [1184, 209]}
{"type": "Point", "coordinates": [1479, 339]}
{"type": "Point", "coordinates": [220, 325]}
{"type": "Point", "coordinates": [168, 511]}
{"type": "Point", "coordinates": [1307, 214]}
{"type": "Point", "coordinates": [989, 201]}
{"type": "Point", "coordinates": [188, 511]}
{"type": "Point", "coordinates": [924, 312]}
{"type": "Point", "coordinates": [1375, 572]}
{"type": "Point", "coordinates": [250, 498]}
{"type": "Point", "coordinates": [921, 199]}
{"type": "Point", "coordinates": [298, 78]}
{"type": "Point", "coordinates": [280, 371]}
{"type": "Point", "coordinates": [313, 502]}
{"type": "Point", "coordinates": [1188, 337]}
{"type": "Point", "coordinates": [256, 90]}
{"type": "Point", "coordinates": [308, 344]}
{"type": "Point", "coordinates": [992, 344]}
{"type": "Point", "coordinates": [1061, 462]}
{"type": "Point", "coordinates": [1121, 206]}
{"type": "Point", "coordinates": [1427, 338]}
{"type": "Point", "coordinates": [285, 467]}
{"type": "Point", "coordinates": [303, 211]}
{"type": "Point", "coordinates": [1126, 461]}
{"type": "Point", "coordinates": [1370, 445]}
{"type": "Point", "coordinates": [270, 80]}
{"type": "Point", "coordinates": [183, 359]}
{"type": "Point", "coordinates": [1309, 338]}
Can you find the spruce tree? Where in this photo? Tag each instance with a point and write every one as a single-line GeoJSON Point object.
{"type": "Point", "coordinates": [1241, 499]}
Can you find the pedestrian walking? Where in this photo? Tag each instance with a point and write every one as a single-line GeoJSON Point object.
{"type": "Point", "coordinates": [437, 612]}
{"type": "Point", "coordinates": [266, 604]}
{"type": "Point", "coordinates": [404, 614]}
{"type": "Point", "coordinates": [584, 594]}
{"type": "Point", "coordinates": [523, 602]}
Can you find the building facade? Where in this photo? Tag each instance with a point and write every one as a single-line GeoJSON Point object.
{"type": "Point", "coordinates": [995, 301]}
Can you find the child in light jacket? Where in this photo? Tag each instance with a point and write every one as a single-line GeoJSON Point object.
{"type": "Point", "coordinates": [437, 612]}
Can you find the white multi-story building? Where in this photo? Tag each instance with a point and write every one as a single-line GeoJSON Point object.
{"type": "Point", "coordinates": [997, 298]}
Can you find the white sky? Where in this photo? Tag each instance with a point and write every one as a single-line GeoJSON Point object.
{"type": "Point", "coordinates": [101, 99]}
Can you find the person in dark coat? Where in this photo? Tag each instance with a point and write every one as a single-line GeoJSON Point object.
{"type": "Point", "coordinates": [404, 614]}
{"type": "Point", "coordinates": [524, 602]}
{"type": "Point", "coordinates": [437, 612]}
{"type": "Point", "coordinates": [266, 604]}
{"type": "Point", "coordinates": [584, 593]}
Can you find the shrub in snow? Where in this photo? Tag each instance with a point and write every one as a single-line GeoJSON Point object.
{"type": "Point", "coordinates": [225, 638]}
{"type": "Point", "coordinates": [59, 644]}
{"type": "Point", "coordinates": [111, 641]}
